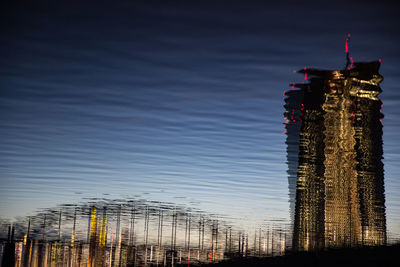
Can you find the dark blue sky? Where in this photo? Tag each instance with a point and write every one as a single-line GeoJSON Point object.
{"type": "Point", "coordinates": [176, 102]}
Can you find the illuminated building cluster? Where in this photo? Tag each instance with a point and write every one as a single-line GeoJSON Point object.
{"type": "Point", "coordinates": [132, 233]}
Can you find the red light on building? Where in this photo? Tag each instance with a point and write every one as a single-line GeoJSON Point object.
{"type": "Point", "coordinates": [305, 73]}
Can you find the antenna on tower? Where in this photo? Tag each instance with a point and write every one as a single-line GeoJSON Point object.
{"type": "Point", "coordinates": [349, 60]}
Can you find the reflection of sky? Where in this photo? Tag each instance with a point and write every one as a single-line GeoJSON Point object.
{"type": "Point", "coordinates": [174, 101]}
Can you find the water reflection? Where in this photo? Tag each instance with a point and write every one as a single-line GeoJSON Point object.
{"type": "Point", "coordinates": [104, 232]}
{"type": "Point", "coordinates": [335, 120]}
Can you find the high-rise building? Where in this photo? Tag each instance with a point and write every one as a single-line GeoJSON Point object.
{"type": "Point", "coordinates": [339, 186]}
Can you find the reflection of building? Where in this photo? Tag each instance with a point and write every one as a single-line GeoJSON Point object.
{"type": "Point", "coordinates": [97, 238]}
{"type": "Point", "coordinates": [339, 193]}
{"type": "Point", "coordinates": [292, 125]}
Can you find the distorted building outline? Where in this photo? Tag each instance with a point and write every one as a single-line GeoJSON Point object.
{"type": "Point", "coordinates": [339, 186]}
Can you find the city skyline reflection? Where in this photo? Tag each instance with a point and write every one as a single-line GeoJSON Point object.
{"type": "Point", "coordinates": [336, 192]}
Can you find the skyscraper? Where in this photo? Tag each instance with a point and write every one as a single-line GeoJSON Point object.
{"type": "Point", "coordinates": [339, 187]}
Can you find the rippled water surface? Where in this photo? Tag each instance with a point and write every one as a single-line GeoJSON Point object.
{"type": "Point", "coordinates": [174, 103]}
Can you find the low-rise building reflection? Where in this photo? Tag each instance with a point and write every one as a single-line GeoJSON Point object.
{"type": "Point", "coordinates": [132, 233]}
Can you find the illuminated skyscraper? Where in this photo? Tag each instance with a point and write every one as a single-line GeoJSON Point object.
{"type": "Point", "coordinates": [339, 188]}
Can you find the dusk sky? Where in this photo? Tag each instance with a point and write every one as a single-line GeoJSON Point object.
{"type": "Point", "coordinates": [178, 102]}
